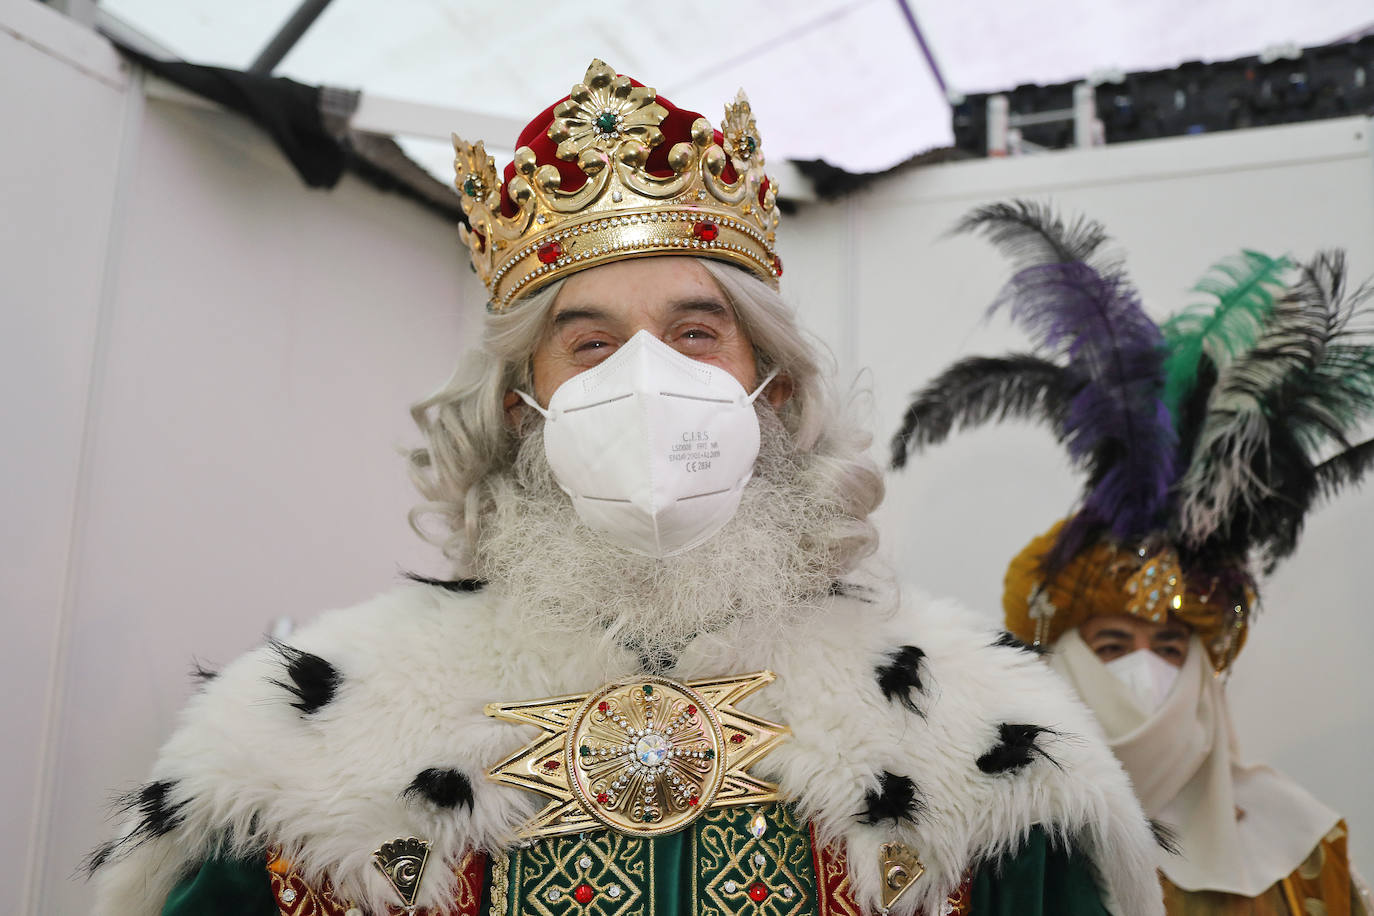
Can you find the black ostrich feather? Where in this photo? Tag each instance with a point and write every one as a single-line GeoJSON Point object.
{"type": "Point", "coordinates": [1272, 526]}
{"type": "Point", "coordinates": [1193, 411]}
{"type": "Point", "coordinates": [982, 388]}
{"type": "Point", "coordinates": [1344, 470]}
{"type": "Point", "coordinates": [1030, 234]}
{"type": "Point", "coordinates": [1328, 404]}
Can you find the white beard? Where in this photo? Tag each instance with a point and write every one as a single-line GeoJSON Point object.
{"type": "Point", "coordinates": [772, 561]}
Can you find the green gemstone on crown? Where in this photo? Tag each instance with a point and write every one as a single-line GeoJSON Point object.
{"type": "Point", "coordinates": [471, 186]}
{"type": "Point", "coordinates": [648, 690]}
{"type": "Point", "coordinates": [606, 122]}
{"type": "Point", "coordinates": [750, 144]}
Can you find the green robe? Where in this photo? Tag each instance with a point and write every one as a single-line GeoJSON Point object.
{"type": "Point", "coordinates": [1038, 880]}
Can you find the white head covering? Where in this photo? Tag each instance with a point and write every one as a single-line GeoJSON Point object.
{"type": "Point", "coordinates": [1240, 828]}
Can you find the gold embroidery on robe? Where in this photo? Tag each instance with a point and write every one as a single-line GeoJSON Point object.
{"type": "Point", "coordinates": [1321, 886]}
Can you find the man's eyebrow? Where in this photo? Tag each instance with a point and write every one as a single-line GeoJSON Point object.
{"type": "Point", "coordinates": [699, 304]}
{"type": "Point", "coordinates": [1111, 634]}
{"type": "Point", "coordinates": [585, 313]}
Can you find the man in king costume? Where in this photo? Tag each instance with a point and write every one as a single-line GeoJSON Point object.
{"type": "Point", "coordinates": [668, 684]}
{"type": "Point", "coordinates": [1205, 440]}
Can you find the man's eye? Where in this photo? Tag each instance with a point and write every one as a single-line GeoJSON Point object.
{"type": "Point", "coordinates": [695, 341]}
{"type": "Point", "coordinates": [1110, 650]}
{"type": "Point", "coordinates": [1170, 653]}
{"type": "Point", "coordinates": [592, 345]}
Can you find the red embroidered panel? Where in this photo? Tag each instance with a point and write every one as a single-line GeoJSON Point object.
{"type": "Point", "coordinates": [296, 898]}
{"type": "Point", "coordinates": [835, 897]}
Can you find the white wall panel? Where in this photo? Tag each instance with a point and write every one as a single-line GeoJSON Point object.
{"type": "Point", "coordinates": [264, 344]}
{"type": "Point", "coordinates": [955, 518]}
{"type": "Point", "coordinates": [267, 342]}
{"type": "Point", "coordinates": [57, 187]}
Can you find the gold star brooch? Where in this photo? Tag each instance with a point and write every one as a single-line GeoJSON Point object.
{"type": "Point", "coordinates": [644, 756]}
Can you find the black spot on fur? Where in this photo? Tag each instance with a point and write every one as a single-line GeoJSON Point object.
{"type": "Point", "coordinates": [158, 816]}
{"type": "Point", "coordinates": [850, 590]}
{"type": "Point", "coordinates": [98, 857]}
{"type": "Point", "coordinates": [1008, 640]}
{"type": "Point", "coordinates": [1015, 748]}
{"type": "Point", "coordinates": [445, 788]}
{"type": "Point", "coordinates": [313, 680]}
{"type": "Point", "coordinates": [1165, 836]}
{"type": "Point", "coordinates": [902, 675]}
{"type": "Point", "coordinates": [201, 673]}
{"type": "Point", "coordinates": [894, 799]}
{"type": "Point", "coordinates": [451, 585]}
{"type": "Point", "coordinates": [656, 659]}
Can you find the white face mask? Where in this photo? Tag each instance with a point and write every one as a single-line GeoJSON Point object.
{"type": "Point", "coordinates": [653, 447]}
{"type": "Point", "coordinates": [1146, 675]}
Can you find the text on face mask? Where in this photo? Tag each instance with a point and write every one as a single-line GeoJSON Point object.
{"type": "Point", "coordinates": [695, 451]}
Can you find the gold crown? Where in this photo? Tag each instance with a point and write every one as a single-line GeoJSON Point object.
{"type": "Point", "coordinates": [608, 126]}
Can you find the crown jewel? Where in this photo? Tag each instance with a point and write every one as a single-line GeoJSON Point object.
{"type": "Point", "coordinates": [595, 186]}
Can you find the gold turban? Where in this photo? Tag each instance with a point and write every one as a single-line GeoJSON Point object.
{"type": "Point", "coordinates": [1107, 578]}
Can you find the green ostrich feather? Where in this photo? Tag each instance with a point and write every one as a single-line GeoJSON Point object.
{"type": "Point", "coordinates": [1241, 291]}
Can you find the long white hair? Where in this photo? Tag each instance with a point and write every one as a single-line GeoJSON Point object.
{"type": "Point", "coordinates": [468, 438]}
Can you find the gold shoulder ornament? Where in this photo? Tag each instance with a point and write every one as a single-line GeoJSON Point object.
{"type": "Point", "coordinates": [644, 756]}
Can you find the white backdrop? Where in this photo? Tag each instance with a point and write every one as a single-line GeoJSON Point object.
{"type": "Point", "coordinates": [208, 369]}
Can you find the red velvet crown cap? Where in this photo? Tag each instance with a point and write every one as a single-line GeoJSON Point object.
{"type": "Point", "coordinates": [676, 127]}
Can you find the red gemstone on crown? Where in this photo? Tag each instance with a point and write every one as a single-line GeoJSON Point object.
{"type": "Point", "coordinates": [550, 252]}
{"type": "Point", "coordinates": [602, 798]}
{"type": "Point", "coordinates": [736, 739]}
{"type": "Point", "coordinates": [602, 706]}
{"type": "Point", "coordinates": [584, 894]}
{"type": "Point", "coordinates": [694, 800]}
{"type": "Point", "coordinates": [550, 764]}
{"type": "Point", "coordinates": [705, 230]}
{"type": "Point", "coordinates": [691, 710]}
{"type": "Point", "coordinates": [777, 265]}
{"type": "Point", "coordinates": [758, 892]}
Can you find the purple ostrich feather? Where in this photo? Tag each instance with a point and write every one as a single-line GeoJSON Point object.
{"type": "Point", "coordinates": [1117, 426]}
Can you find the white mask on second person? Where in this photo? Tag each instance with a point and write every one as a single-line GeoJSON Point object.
{"type": "Point", "coordinates": [653, 447]}
{"type": "Point", "coordinates": [1146, 675]}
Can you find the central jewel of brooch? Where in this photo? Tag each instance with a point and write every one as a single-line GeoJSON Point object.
{"type": "Point", "coordinates": [644, 756]}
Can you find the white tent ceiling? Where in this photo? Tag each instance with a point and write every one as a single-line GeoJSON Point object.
{"type": "Point", "coordinates": [842, 80]}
